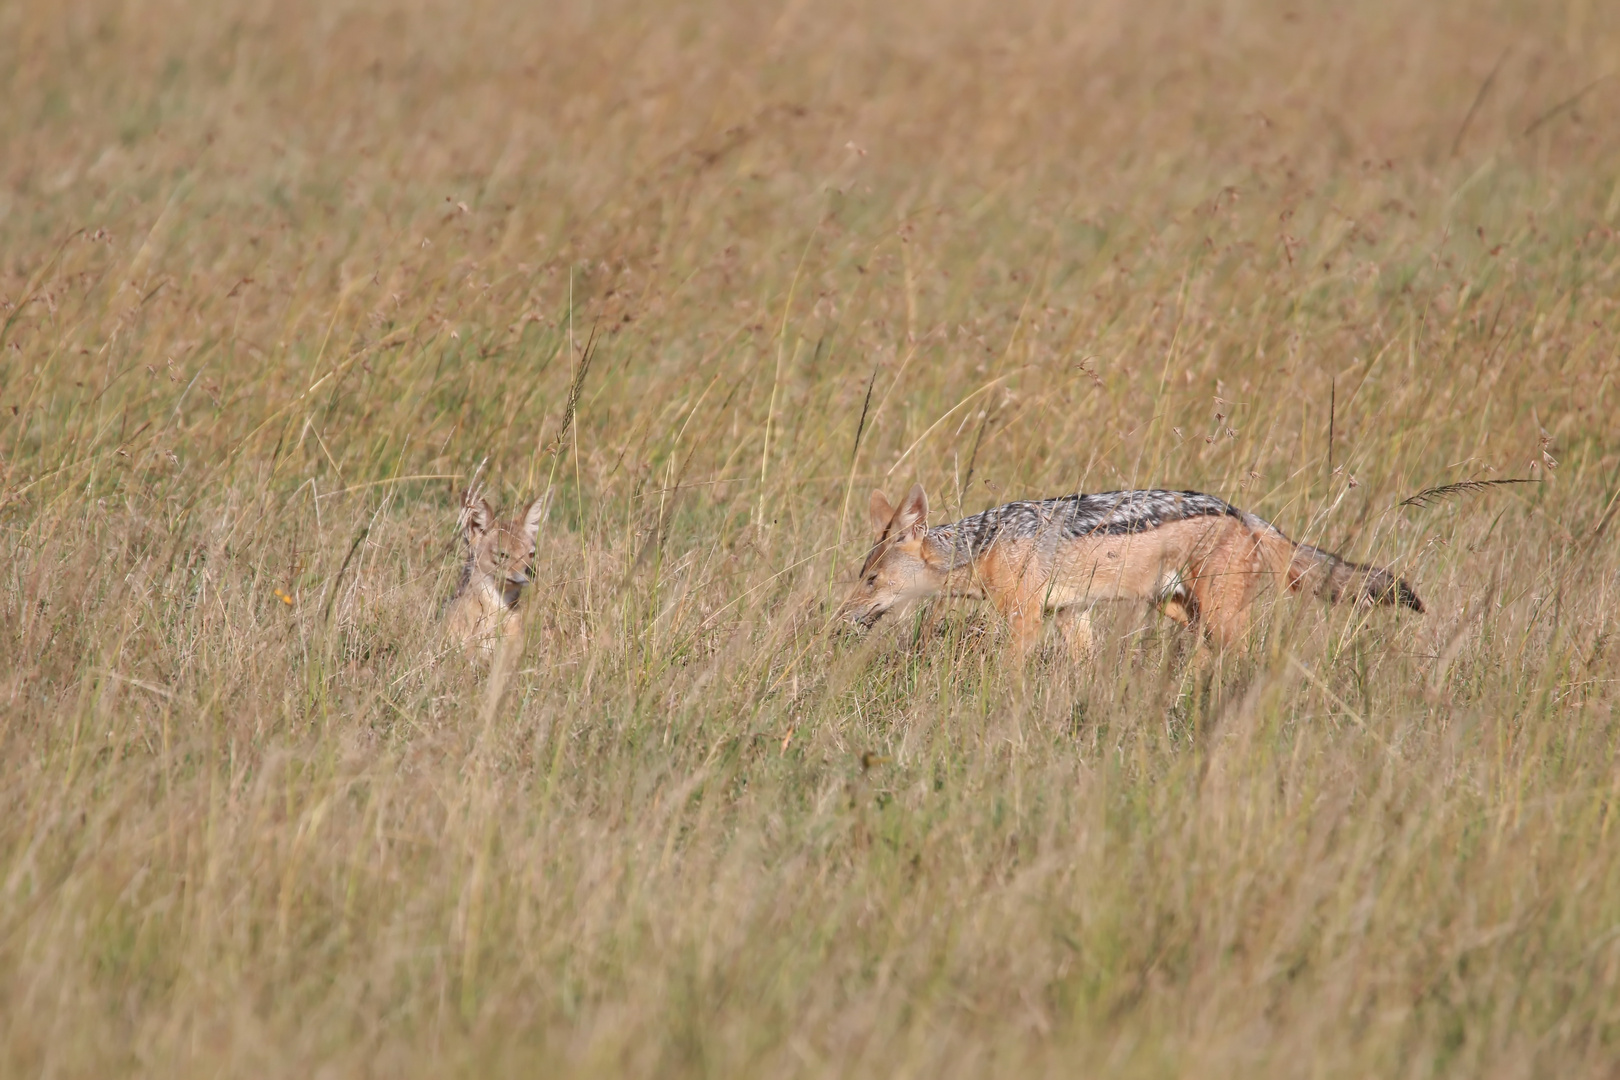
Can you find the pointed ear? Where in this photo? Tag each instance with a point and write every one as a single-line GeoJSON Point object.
{"type": "Point", "coordinates": [476, 515]}
{"type": "Point", "coordinates": [912, 517]}
{"type": "Point", "coordinates": [880, 512]}
{"type": "Point", "coordinates": [532, 519]}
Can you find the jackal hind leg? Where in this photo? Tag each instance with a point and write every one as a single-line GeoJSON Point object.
{"type": "Point", "coordinates": [1225, 595]}
{"type": "Point", "coordinates": [1074, 624]}
{"type": "Point", "coordinates": [1181, 608]}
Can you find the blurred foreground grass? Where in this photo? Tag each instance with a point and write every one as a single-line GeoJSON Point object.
{"type": "Point", "coordinates": [274, 278]}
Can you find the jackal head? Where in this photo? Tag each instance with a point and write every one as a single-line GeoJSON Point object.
{"type": "Point", "coordinates": [896, 573]}
{"type": "Point", "coordinates": [500, 553]}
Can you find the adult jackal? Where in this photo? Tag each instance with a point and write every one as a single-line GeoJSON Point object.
{"type": "Point", "coordinates": [1202, 561]}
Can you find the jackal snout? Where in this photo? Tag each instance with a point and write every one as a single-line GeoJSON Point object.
{"type": "Point", "coordinates": [895, 573]}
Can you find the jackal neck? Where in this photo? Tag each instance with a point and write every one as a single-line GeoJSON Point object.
{"type": "Point", "coordinates": [950, 547]}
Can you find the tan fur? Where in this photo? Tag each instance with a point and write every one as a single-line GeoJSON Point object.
{"type": "Point", "coordinates": [1207, 571]}
{"type": "Point", "coordinates": [500, 558]}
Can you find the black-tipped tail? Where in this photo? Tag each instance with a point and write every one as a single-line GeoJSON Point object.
{"type": "Point", "coordinates": [1392, 591]}
{"type": "Point", "coordinates": [1339, 580]}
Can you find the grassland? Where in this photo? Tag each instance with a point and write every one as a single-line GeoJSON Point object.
{"type": "Point", "coordinates": [275, 279]}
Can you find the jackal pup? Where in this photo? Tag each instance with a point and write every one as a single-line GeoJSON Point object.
{"type": "Point", "coordinates": [1202, 561]}
{"type": "Point", "coordinates": [500, 561]}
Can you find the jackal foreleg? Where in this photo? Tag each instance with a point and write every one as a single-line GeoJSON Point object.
{"type": "Point", "coordinates": [1074, 624]}
{"type": "Point", "coordinates": [1023, 614]}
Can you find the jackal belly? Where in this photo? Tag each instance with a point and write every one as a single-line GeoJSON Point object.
{"type": "Point", "coordinates": [1151, 565]}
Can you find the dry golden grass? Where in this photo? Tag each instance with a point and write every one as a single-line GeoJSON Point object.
{"type": "Point", "coordinates": [273, 276]}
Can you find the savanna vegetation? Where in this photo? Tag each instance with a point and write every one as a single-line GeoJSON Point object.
{"type": "Point", "coordinates": [276, 278]}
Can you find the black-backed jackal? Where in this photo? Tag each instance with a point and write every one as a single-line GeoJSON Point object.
{"type": "Point", "coordinates": [1202, 561]}
{"type": "Point", "coordinates": [500, 561]}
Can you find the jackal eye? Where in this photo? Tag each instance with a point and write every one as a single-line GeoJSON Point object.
{"type": "Point", "coordinates": [871, 579]}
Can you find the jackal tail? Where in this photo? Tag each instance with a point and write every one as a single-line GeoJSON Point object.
{"type": "Point", "coordinates": [1339, 580]}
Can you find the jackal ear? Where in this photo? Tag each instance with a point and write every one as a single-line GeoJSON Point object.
{"type": "Point", "coordinates": [476, 515]}
{"type": "Point", "coordinates": [535, 515]}
{"type": "Point", "coordinates": [912, 517]}
{"type": "Point", "coordinates": [881, 513]}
